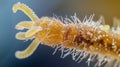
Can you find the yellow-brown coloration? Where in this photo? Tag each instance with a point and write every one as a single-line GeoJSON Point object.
{"type": "Point", "coordinates": [45, 30]}
{"type": "Point", "coordinates": [52, 32]}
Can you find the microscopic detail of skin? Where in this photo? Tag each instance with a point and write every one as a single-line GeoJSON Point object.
{"type": "Point", "coordinates": [81, 39]}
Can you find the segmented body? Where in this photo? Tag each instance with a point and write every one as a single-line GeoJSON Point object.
{"type": "Point", "coordinates": [81, 39]}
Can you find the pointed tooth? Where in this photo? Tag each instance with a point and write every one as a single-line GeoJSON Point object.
{"type": "Point", "coordinates": [28, 51]}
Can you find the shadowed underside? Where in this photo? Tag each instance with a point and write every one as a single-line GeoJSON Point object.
{"type": "Point", "coordinates": [88, 38]}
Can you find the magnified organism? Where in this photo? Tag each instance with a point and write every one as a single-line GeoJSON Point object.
{"type": "Point", "coordinates": [85, 39]}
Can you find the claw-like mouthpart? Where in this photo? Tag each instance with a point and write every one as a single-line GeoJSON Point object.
{"type": "Point", "coordinates": [29, 12]}
{"type": "Point", "coordinates": [24, 25]}
{"type": "Point", "coordinates": [20, 36]}
{"type": "Point", "coordinates": [32, 30]}
{"type": "Point", "coordinates": [28, 51]}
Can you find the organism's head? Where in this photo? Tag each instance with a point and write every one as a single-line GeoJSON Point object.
{"type": "Point", "coordinates": [44, 29]}
{"type": "Point", "coordinates": [51, 33]}
{"type": "Point", "coordinates": [30, 25]}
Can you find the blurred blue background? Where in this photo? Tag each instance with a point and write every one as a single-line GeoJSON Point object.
{"type": "Point", "coordinates": [43, 55]}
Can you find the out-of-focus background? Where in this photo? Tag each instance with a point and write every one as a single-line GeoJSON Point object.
{"type": "Point", "coordinates": [43, 55]}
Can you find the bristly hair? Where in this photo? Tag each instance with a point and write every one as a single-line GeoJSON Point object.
{"type": "Point", "coordinates": [93, 40]}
